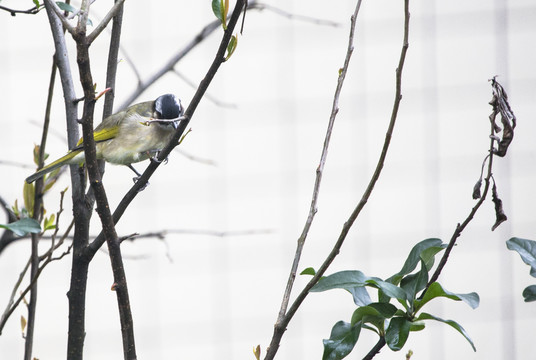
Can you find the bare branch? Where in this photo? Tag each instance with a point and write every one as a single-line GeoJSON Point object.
{"type": "Point", "coordinates": [289, 15]}
{"type": "Point", "coordinates": [66, 25]}
{"type": "Point", "coordinates": [14, 12]}
{"type": "Point", "coordinates": [208, 97]}
{"type": "Point", "coordinates": [143, 85]}
{"type": "Point", "coordinates": [142, 181]}
{"type": "Point", "coordinates": [102, 25]}
{"type": "Point", "coordinates": [284, 316]}
{"type": "Point", "coordinates": [283, 321]}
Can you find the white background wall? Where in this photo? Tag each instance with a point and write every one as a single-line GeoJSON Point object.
{"type": "Point", "coordinates": [205, 297]}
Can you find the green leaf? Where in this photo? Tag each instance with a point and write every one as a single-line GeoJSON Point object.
{"type": "Point", "coordinates": [397, 333]}
{"type": "Point", "coordinates": [374, 313]}
{"type": "Point", "coordinates": [341, 341]}
{"type": "Point", "coordinates": [36, 3]}
{"type": "Point", "coordinates": [436, 290]}
{"type": "Point", "coordinates": [23, 226]}
{"type": "Point", "coordinates": [428, 255]}
{"type": "Point", "coordinates": [361, 296]}
{"type": "Point", "coordinates": [414, 283]}
{"type": "Point", "coordinates": [530, 293]}
{"type": "Point", "coordinates": [28, 193]}
{"type": "Point", "coordinates": [231, 47]}
{"type": "Point", "coordinates": [454, 324]}
{"type": "Point", "coordinates": [526, 249]}
{"type": "Point", "coordinates": [347, 279]}
{"type": "Point", "coordinates": [308, 271]}
{"type": "Point", "coordinates": [220, 9]}
{"type": "Point", "coordinates": [65, 7]}
{"type": "Point", "coordinates": [50, 223]}
{"type": "Point", "coordinates": [414, 258]}
{"type": "Point", "coordinates": [388, 289]}
{"type": "Point", "coordinates": [417, 326]}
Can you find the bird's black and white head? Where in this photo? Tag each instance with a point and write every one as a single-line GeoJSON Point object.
{"type": "Point", "coordinates": [168, 107]}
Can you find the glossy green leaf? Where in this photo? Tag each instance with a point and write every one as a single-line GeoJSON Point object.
{"type": "Point", "coordinates": [530, 293]}
{"type": "Point", "coordinates": [346, 279]}
{"type": "Point", "coordinates": [414, 258]}
{"type": "Point", "coordinates": [23, 226]}
{"type": "Point", "coordinates": [374, 313]}
{"type": "Point", "coordinates": [36, 3]}
{"type": "Point", "coordinates": [220, 8]}
{"type": "Point", "coordinates": [417, 326]}
{"type": "Point", "coordinates": [308, 271]}
{"type": "Point", "coordinates": [428, 255]}
{"type": "Point", "coordinates": [526, 249]}
{"type": "Point", "coordinates": [361, 296]}
{"type": "Point", "coordinates": [388, 289]}
{"type": "Point", "coordinates": [454, 324]}
{"type": "Point", "coordinates": [397, 333]}
{"type": "Point", "coordinates": [436, 290]}
{"type": "Point", "coordinates": [341, 341]}
{"type": "Point", "coordinates": [414, 283]}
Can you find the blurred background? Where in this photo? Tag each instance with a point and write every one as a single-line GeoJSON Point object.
{"type": "Point", "coordinates": [234, 197]}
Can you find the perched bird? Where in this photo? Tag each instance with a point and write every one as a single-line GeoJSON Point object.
{"type": "Point", "coordinates": [129, 136]}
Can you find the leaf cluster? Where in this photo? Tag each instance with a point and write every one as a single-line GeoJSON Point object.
{"type": "Point", "coordinates": [391, 321]}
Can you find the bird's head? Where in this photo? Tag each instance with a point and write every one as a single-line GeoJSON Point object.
{"type": "Point", "coordinates": [168, 107]}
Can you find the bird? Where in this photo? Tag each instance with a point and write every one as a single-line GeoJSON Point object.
{"type": "Point", "coordinates": [128, 136]}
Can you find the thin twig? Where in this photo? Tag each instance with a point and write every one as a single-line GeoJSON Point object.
{"type": "Point", "coordinates": [280, 326]}
{"type": "Point", "coordinates": [202, 35]}
{"type": "Point", "coordinates": [14, 12]}
{"type": "Point", "coordinates": [208, 96]}
{"type": "Point", "coordinates": [461, 227]}
{"type": "Point", "coordinates": [320, 170]}
{"type": "Point", "coordinates": [291, 16]}
{"type": "Point", "coordinates": [285, 316]}
{"type": "Point", "coordinates": [203, 86]}
{"type": "Point", "coordinates": [66, 25]}
{"type": "Point", "coordinates": [102, 25]}
{"type": "Point", "coordinates": [46, 257]}
{"type": "Point", "coordinates": [12, 304]}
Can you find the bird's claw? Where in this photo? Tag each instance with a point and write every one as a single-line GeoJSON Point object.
{"type": "Point", "coordinates": [155, 159]}
{"type": "Point", "coordinates": [135, 179]}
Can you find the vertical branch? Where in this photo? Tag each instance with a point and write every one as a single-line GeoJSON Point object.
{"type": "Point", "coordinates": [281, 325]}
{"type": "Point", "coordinates": [285, 316]}
{"type": "Point", "coordinates": [111, 70]}
{"type": "Point", "coordinates": [320, 169]}
{"type": "Point", "coordinates": [77, 291]}
{"type": "Point", "coordinates": [203, 86]}
{"type": "Point", "coordinates": [95, 179]}
{"type": "Point", "coordinates": [37, 214]}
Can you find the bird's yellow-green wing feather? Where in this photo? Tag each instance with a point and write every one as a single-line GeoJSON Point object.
{"type": "Point", "coordinates": [53, 166]}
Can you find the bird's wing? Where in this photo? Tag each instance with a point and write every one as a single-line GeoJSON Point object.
{"type": "Point", "coordinates": [106, 130]}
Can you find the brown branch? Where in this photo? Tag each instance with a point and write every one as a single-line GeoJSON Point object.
{"type": "Point", "coordinates": [14, 12]}
{"type": "Point", "coordinates": [54, 7]}
{"type": "Point", "coordinates": [282, 323]}
{"type": "Point", "coordinates": [95, 180]}
{"type": "Point", "coordinates": [203, 86]}
{"type": "Point", "coordinates": [46, 258]}
{"type": "Point", "coordinates": [461, 227]}
{"type": "Point", "coordinates": [116, 9]}
{"type": "Point", "coordinates": [202, 35]}
{"type": "Point", "coordinates": [320, 170]}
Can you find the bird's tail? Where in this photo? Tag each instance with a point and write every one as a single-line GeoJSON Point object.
{"type": "Point", "coordinates": [53, 166]}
